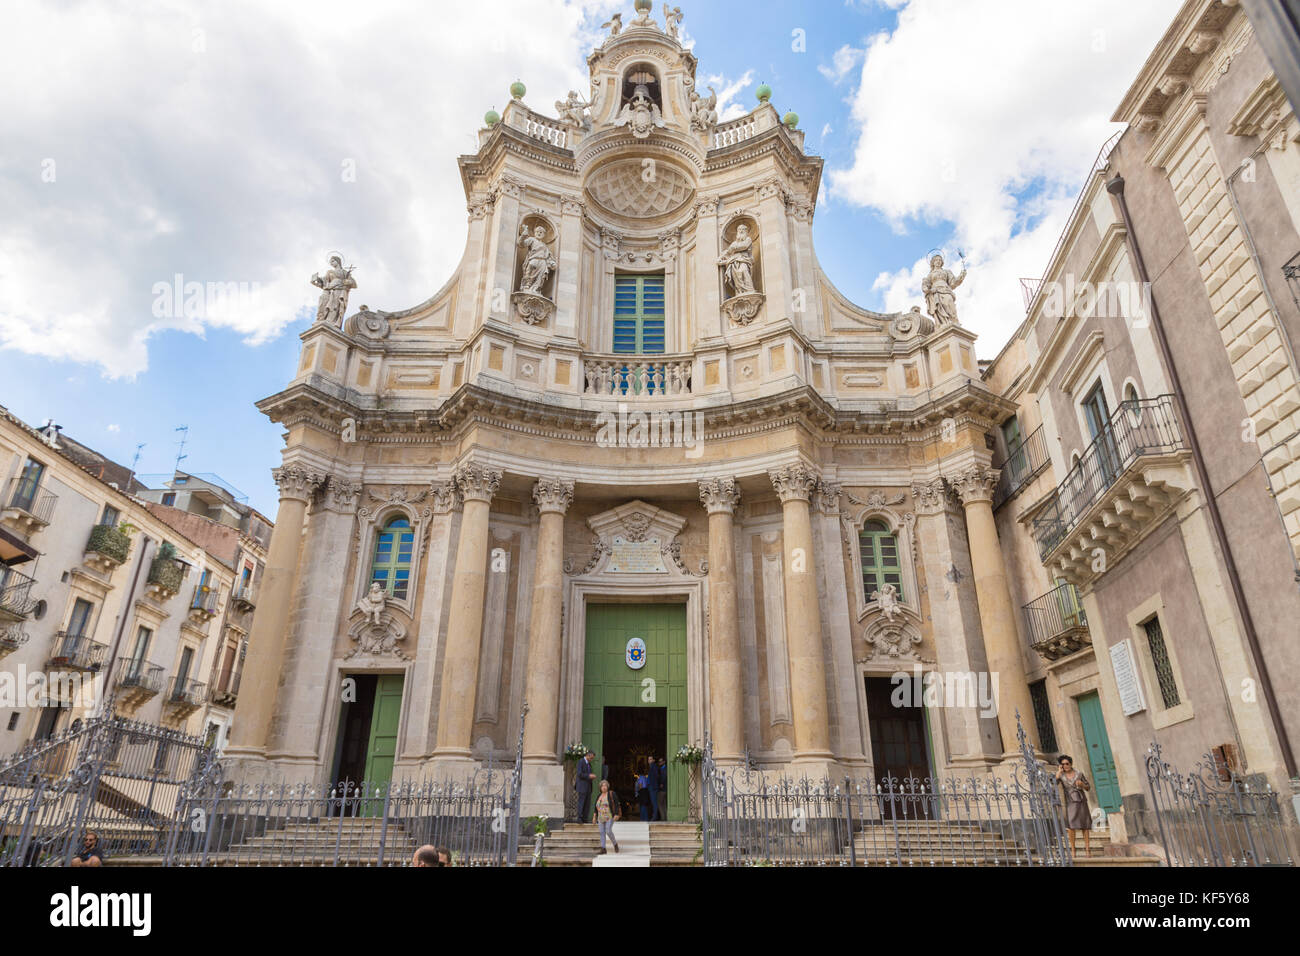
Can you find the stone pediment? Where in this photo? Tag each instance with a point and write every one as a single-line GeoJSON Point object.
{"type": "Point", "coordinates": [634, 538]}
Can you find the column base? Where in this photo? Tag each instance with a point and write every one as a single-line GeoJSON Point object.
{"type": "Point", "coordinates": [814, 767]}
{"type": "Point", "coordinates": [542, 790]}
{"type": "Point", "coordinates": [454, 766]}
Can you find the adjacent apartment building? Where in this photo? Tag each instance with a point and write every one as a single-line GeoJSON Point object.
{"type": "Point", "coordinates": [108, 600]}
{"type": "Point", "coordinates": [1149, 500]}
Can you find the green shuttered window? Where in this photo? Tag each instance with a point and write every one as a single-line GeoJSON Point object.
{"type": "Point", "coordinates": [639, 314]}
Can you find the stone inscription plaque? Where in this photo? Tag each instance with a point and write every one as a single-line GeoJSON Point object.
{"type": "Point", "coordinates": [1126, 678]}
{"type": "Point", "coordinates": [635, 557]}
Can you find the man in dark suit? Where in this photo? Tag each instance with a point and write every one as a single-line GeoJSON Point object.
{"type": "Point", "coordinates": [652, 784]}
{"type": "Point", "coordinates": [662, 796]}
{"type": "Point", "coordinates": [582, 784]}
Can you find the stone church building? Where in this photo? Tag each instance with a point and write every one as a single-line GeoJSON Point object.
{"type": "Point", "coordinates": [641, 466]}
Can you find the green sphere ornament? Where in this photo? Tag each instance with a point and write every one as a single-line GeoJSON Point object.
{"type": "Point", "coordinates": [791, 119]}
{"type": "Point", "coordinates": [764, 93]}
{"type": "Point", "coordinates": [517, 89]}
{"type": "Point", "coordinates": [491, 118]}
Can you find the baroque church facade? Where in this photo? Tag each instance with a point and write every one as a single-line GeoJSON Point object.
{"type": "Point", "coordinates": [638, 475]}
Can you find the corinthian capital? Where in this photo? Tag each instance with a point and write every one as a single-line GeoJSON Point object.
{"type": "Point", "coordinates": [477, 483]}
{"type": "Point", "coordinates": [794, 482]}
{"type": "Point", "coordinates": [444, 495]}
{"type": "Point", "coordinates": [297, 482]}
{"type": "Point", "coordinates": [974, 485]}
{"type": "Point", "coordinates": [553, 495]}
{"type": "Point", "coordinates": [719, 495]}
{"type": "Point", "coordinates": [931, 498]}
{"type": "Point", "coordinates": [343, 493]}
{"type": "Point", "coordinates": [828, 497]}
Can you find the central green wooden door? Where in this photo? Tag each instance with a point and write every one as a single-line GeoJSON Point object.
{"type": "Point", "coordinates": [609, 682]}
{"type": "Point", "coordinates": [384, 716]}
{"type": "Point", "coordinates": [1102, 761]}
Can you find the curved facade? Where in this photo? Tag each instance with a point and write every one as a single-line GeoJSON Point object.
{"type": "Point", "coordinates": [638, 389]}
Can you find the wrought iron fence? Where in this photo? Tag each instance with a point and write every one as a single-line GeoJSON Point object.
{"type": "Point", "coordinates": [1214, 816]}
{"type": "Point", "coordinates": [1146, 426]}
{"type": "Point", "coordinates": [1016, 820]}
{"type": "Point", "coordinates": [119, 778]}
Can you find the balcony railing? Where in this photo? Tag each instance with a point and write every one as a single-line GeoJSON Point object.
{"type": "Point", "coordinates": [1056, 623]}
{"type": "Point", "coordinates": [109, 542]}
{"type": "Point", "coordinates": [1022, 466]}
{"type": "Point", "coordinates": [140, 676]}
{"type": "Point", "coordinates": [186, 693]}
{"type": "Point", "coordinates": [166, 574]}
{"type": "Point", "coordinates": [245, 597]}
{"type": "Point", "coordinates": [226, 690]}
{"type": "Point", "coordinates": [15, 594]}
{"type": "Point", "coordinates": [1147, 426]}
{"type": "Point", "coordinates": [78, 652]}
{"type": "Point", "coordinates": [204, 600]}
{"type": "Point", "coordinates": [27, 497]}
{"type": "Point", "coordinates": [632, 377]}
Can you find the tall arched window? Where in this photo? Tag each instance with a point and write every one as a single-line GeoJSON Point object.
{"type": "Point", "coordinates": [391, 568]}
{"type": "Point", "coordinates": [880, 561]}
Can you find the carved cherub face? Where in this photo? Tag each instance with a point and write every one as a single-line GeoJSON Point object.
{"type": "Point", "coordinates": [374, 589]}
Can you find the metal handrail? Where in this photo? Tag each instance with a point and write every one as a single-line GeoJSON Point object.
{"type": "Point", "coordinates": [1147, 426]}
{"type": "Point", "coordinates": [78, 650]}
{"type": "Point", "coordinates": [28, 496]}
{"type": "Point", "coordinates": [1022, 466]}
{"type": "Point", "coordinates": [1053, 614]}
{"type": "Point", "coordinates": [16, 592]}
{"type": "Point", "coordinates": [140, 674]}
{"type": "Point", "coordinates": [186, 691]}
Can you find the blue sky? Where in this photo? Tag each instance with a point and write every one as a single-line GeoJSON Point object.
{"type": "Point", "coordinates": [143, 140]}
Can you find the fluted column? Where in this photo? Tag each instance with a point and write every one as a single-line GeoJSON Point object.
{"type": "Point", "coordinates": [726, 690]}
{"type": "Point", "coordinates": [477, 485]}
{"type": "Point", "coordinates": [997, 612]}
{"type": "Point", "coordinates": [261, 674]}
{"type": "Point", "coordinates": [545, 637]}
{"type": "Point", "coordinates": [795, 485]}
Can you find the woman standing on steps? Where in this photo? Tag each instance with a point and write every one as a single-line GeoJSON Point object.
{"type": "Point", "coordinates": [607, 811]}
{"type": "Point", "coordinates": [1077, 817]}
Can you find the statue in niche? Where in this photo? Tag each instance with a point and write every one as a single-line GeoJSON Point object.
{"type": "Point", "coordinates": [372, 604]}
{"type": "Point", "coordinates": [704, 110]}
{"type": "Point", "coordinates": [614, 26]}
{"type": "Point", "coordinates": [335, 286]}
{"type": "Point", "coordinates": [574, 112]}
{"type": "Point", "coordinates": [737, 262]}
{"type": "Point", "coordinates": [672, 20]}
{"type": "Point", "coordinates": [538, 261]}
{"type": "Point", "coordinates": [938, 287]}
{"type": "Point", "coordinates": [641, 113]}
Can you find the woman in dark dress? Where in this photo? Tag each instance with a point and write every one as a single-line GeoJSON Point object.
{"type": "Point", "coordinates": [1075, 787]}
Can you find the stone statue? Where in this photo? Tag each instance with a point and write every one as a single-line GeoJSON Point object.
{"type": "Point", "coordinates": [640, 113]}
{"type": "Point", "coordinates": [573, 111]}
{"type": "Point", "coordinates": [538, 261]}
{"type": "Point", "coordinates": [614, 26]}
{"type": "Point", "coordinates": [887, 598]}
{"type": "Point", "coordinates": [704, 111]}
{"type": "Point", "coordinates": [672, 19]}
{"type": "Point", "coordinates": [938, 288]}
{"type": "Point", "coordinates": [335, 285]}
{"type": "Point", "coordinates": [737, 262]}
{"type": "Point", "coordinates": [373, 603]}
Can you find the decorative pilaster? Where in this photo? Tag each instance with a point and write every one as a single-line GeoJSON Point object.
{"type": "Point", "coordinates": [997, 612]}
{"type": "Point", "coordinates": [545, 637]}
{"type": "Point", "coordinates": [795, 485]}
{"type": "Point", "coordinates": [720, 497]}
{"type": "Point", "coordinates": [262, 665]}
{"type": "Point", "coordinates": [476, 484]}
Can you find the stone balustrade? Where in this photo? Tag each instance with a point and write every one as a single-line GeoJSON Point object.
{"type": "Point", "coordinates": [547, 130]}
{"type": "Point", "coordinates": [637, 377]}
{"type": "Point", "coordinates": [737, 131]}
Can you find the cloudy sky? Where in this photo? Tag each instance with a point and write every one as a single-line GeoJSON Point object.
{"type": "Point", "coordinates": [240, 143]}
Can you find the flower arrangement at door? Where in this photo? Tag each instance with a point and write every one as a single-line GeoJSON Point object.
{"type": "Point", "coordinates": [688, 754]}
{"type": "Point", "coordinates": [575, 752]}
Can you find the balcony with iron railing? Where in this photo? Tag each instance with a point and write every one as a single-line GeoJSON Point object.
{"type": "Point", "coordinates": [12, 637]}
{"type": "Point", "coordinates": [203, 605]}
{"type": "Point", "coordinates": [185, 696]}
{"type": "Point", "coordinates": [107, 547]}
{"type": "Point", "coordinates": [1022, 466]}
{"type": "Point", "coordinates": [77, 652]}
{"type": "Point", "coordinates": [137, 682]}
{"type": "Point", "coordinates": [1056, 623]}
{"type": "Point", "coordinates": [165, 577]}
{"type": "Point", "coordinates": [15, 595]}
{"type": "Point", "coordinates": [225, 692]}
{"type": "Point", "coordinates": [27, 507]}
{"type": "Point", "coordinates": [245, 597]}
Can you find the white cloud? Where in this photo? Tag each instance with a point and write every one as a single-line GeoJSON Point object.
{"type": "Point", "coordinates": [843, 62]}
{"type": "Point", "coordinates": [141, 145]}
{"type": "Point", "coordinates": [985, 115]}
{"type": "Point", "coordinates": [114, 428]}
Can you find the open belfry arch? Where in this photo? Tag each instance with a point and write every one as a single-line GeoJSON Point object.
{"type": "Point", "coordinates": [638, 389]}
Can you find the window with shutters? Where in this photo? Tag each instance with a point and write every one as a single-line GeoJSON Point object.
{"type": "Point", "coordinates": [391, 567]}
{"type": "Point", "coordinates": [639, 314]}
{"type": "Point", "coordinates": [880, 561]}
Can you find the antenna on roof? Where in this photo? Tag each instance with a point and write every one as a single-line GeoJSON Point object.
{"type": "Point", "coordinates": [180, 453]}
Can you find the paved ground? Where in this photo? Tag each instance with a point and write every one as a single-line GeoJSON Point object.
{"type": "Point", "coordinates": [633, 845]}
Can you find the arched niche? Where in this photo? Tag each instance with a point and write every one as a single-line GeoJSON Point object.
{"type": "Point", "coordinates": [535, 268]}
{"type": "Point", "coordinates": [644, 74]}
{"type": "Point", "coordinates": [740, 268]}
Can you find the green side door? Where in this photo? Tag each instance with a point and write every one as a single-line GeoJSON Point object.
{"type": "Point", "coordinates": [384, 717]}
{"type": "Point", "coordinates": [1100, 758]}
